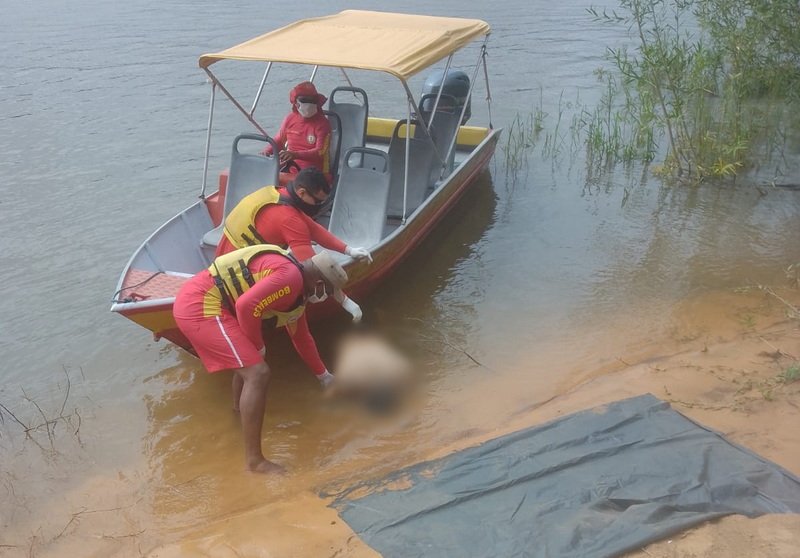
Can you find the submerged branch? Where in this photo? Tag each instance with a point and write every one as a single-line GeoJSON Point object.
{"type": "Point", "coordinates": [47, 422]}
{"type": "Point", "coordinates": [13, 416]}
{"type": "Point", "coordinates": [443, 338]}
{"type": "Point", "coordinates": [792, 310]}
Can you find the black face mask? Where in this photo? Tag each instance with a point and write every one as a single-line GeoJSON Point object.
{"type": "Point", "coordinates": [295, 201]}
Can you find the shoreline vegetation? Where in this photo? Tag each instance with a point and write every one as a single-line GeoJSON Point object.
{"type": "Point", "coordinates": [706, 90]}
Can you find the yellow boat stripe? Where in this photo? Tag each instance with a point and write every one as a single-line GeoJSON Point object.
{"type": "Point", "coordinates": [382, 128]}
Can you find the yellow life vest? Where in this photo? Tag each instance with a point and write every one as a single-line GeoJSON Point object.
{"type": "Point", "coordinates": [233, 278]}
{"type": "Point", "coordinates": [240, 224]}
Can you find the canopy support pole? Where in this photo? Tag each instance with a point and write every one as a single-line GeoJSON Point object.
{"type": "Point", "coordinates": [421, 121]}
{"type": "Point", "coordinates": [441, 86]}
{"type": "Point", "coordinates": [408, 150]}
{"type": "Point", "coordinates": [236, 103]}
{"type": "Point", "coordinates": [314, 73]}
{"type": "Point", "coordinates": [480, 60]}
{"type": "Point", "coordinates": [208, 138]}
{"type": "Point", "coordinates": [488, 91]}
{"type": "Point", "coordinates": [260, 88]}
{"type": "Point", "coordinates": [350, 83]}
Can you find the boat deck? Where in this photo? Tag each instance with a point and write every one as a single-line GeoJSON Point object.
{"type": "Point", "coordinates": [140, 284]}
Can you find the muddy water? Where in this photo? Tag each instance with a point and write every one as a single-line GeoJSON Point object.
{"type": "Point", "coordinates": [537, 282]}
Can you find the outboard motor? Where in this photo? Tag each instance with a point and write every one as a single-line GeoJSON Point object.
{"type": "Point", "coordinates": [455, 89]}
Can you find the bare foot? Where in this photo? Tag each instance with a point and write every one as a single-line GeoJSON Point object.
{"type": "Point", "coordinates": [266, 467]}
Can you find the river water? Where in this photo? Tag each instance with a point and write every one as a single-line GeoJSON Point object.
{"type": "Point", "coordinates": [540, 280]}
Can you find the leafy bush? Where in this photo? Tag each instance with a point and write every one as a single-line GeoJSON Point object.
{"type": "Point", "coordinates": [715, 78]}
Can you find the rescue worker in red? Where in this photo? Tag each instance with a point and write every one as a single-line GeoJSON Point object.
{"type": "Point", "coordinates": [305, 134]}
{"type": "Point", "coordinates": [220, 311]}
{"type": "Point", "coordinates": [283, 216]}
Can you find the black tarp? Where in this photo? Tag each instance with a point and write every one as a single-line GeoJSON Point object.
{"type": "Point", "coordinates": [596, 483]}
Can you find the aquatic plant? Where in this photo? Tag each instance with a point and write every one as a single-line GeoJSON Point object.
{"type": "Point", "coordinates": [791, 374]}
{"type": "Point", "coordinates": [713, 78]}
{"type": "Point", "coordinates": [528, 131]}
{"type": "Point", "coordinates": [521, 137]}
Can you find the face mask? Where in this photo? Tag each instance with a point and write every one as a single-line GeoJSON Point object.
{"type": "Point", "coordinates": [307, 110]}
{"type": "Point", "coordinates": [316, 298]}
{"type": "Point", "coordinates": [296, 201]}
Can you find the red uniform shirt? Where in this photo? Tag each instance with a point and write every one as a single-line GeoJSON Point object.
{"type": "Point", "coordinates": [224, 340]}
{"type": "Point", "coordinates": [308, 138]}
{"type": "Point", "coordinates": [289, 227]}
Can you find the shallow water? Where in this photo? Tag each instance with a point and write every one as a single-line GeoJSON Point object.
{"type": "Point", "coordinates": [543, 279]}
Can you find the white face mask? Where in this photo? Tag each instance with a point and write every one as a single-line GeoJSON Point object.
{"type": "Point", "coordinates": [317, 298]}
{"type": "Point", "coordinates": [307, 110]}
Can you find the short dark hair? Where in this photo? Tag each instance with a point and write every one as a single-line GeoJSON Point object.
{"type": "Point", "coordinates": [313, 180]}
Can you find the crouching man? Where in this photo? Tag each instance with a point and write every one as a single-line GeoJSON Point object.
{"type": "Point", "coordinates": [220, 311]}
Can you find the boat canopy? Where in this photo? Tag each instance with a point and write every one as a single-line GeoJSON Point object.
{"type": "Point", "coordinates": [399, 44]}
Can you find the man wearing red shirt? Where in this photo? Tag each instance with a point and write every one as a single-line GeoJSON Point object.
{"type": "Point", "coordinates": [220, 311]}
{"type": "Point", "coordinates": [284, 217]}
{"type": "Point", "coordinates": [304, 136]}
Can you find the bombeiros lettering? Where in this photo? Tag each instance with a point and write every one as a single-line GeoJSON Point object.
{"type": "Point", "coordinates": [280, 293]}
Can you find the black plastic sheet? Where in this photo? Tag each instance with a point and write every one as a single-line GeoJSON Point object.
{"type": "Point", "coordinates": [597, 483]}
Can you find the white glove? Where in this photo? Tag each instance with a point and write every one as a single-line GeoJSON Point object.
{"type": "Point", "coordinates": [326, 379]}
{"type": "Point", "coordinates": [352, 308]}
{"type": "Point", "coordinates": [358, 253]}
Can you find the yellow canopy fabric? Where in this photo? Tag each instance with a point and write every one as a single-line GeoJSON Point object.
{"type": "Point", "coordinates": [400, 44]}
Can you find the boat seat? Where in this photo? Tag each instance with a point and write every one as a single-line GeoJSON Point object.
{"type": "Point", "coordinates": [351, 105]}
{"type": "Point", "coordinates": [422, 160]}
{"type": "Point", "coordinates": [445, 126]}
{"type": "Point", "coordinates": [335, 145]}
{"type": "Point", "coordinates": [358, 215]}
{"type": "Point", "coordinates": [248, 172]}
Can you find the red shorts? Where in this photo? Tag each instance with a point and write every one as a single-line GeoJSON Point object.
{"type": "Point", "coordinates": [218, 340]}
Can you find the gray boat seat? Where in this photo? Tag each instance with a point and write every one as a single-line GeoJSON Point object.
{"type": "Point", "coordinates": [358, 215]}
{"type": "Point", "coordinates": [335, 145]}
{"type": "Point", "coordinates": [421, 162]}
{"type": "Point", "coordinates": [248, 172]}
{"type": "Point", "coordinates": [444, 127]}
{"type": "Point", "coordinates": [351, 105]}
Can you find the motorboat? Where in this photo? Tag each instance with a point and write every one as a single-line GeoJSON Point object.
{"type": "Point", "coordinates": [394, 177]}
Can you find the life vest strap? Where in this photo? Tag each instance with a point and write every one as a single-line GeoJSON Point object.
{"type": "Point", "coordinates": [256, 236]}
{"type": "Point", "coordinates": [248, 277]}
{"type": "Point", "coordinates": [295, 261]}
{"type": "Point", "coordinates": [223, 292]}
{"type": "Point", "coordinates": [235, 281]}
